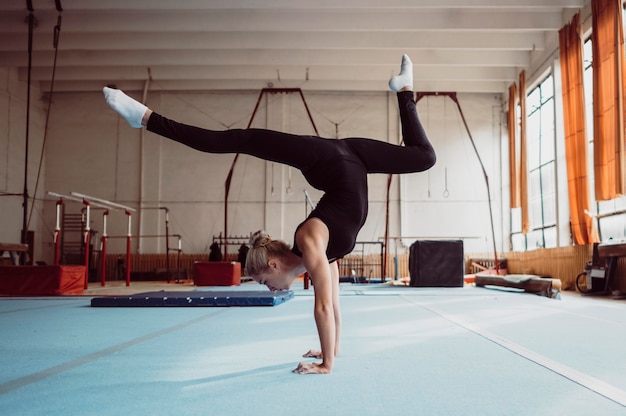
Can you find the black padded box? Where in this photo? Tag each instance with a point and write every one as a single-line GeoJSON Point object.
{"type": "Point", "coordinates": [436, 263]}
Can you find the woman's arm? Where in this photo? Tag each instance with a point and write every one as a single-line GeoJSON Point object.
{"type": "Point", "coordinates": [334, 271]}
{"type": "Point", "coordinates": [312, 239]}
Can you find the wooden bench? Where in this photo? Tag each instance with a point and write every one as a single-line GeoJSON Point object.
{"type": "Point", "coordinates": [14, 251]}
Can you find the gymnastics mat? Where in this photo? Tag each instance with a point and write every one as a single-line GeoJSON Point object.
{"type": "Point", "coordinates": [42, 280]}
{"type": "Point", "coordinates": [529, 283]}
{"type": "Point", "coordinates": [195, 298]}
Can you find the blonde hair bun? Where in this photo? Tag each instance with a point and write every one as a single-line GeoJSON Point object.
{"type": "Point", "coordinates": [262, 248]}
{"type": "Point", "coordinates": [260, 239]}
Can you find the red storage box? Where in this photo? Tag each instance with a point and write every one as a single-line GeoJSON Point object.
{"type": "Point", "coordinates": [217, 273]}
{"type": "Point", "coordinates": [42, 280]}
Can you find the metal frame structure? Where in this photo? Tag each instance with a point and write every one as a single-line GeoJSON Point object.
{"type": "Point", "coordinates": [229, 177]}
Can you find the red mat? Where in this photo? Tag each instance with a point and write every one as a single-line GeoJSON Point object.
{"type": "Point", "coordinates": [217, 273]}
{"type": "Point", "coordinates": [42, 280]}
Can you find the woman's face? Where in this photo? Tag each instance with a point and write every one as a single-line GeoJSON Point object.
{"type": "Point", "coordinates": [275, 278]}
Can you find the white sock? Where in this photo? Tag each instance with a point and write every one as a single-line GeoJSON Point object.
{"type": "Point", "coordinates": [405, 78]}
{"type": "Point", "coordinates": [127, 107]}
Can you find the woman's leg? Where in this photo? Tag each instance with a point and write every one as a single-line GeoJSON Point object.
{"type": "Point", "coordinates": [297, 151]}
{"type": "Point", "coordinates": [265, 144]}
{"type": "Point", "coordinates": [270, 145]}
{"type": "Point", "coordinates": [413, 133]}
{"type": "Point", "coordinates": [416, 155]}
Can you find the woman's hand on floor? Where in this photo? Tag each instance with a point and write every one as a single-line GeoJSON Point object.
{"type": "Point", "coordinates": [313, 354]}
{"type": "Point", "coordinates": [311, 368]}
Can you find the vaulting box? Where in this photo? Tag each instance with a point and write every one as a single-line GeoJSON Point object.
{"type": "Point", "coordinates": [217, 273]}
{"type": "Point", "coordinates": [437, 263]}
{"type": "Point", "coordinates": [42, 280]}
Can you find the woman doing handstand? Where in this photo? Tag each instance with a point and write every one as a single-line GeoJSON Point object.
{"type": "Point", "coordinates": [337, 167]}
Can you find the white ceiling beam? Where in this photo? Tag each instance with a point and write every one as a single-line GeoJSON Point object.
{"type": "Point", "coordinates": [268, 72]}
{"type": "Point", "coordinates": [256, 85]}
{"type": "Point", "coordinates": [293, 20]}
{"type": "Point", "coordinates": [420, 39]}
{"type": "Point", "coordinates": [96, 5]}
{"type": "Point", "coordinates": [276, 58]}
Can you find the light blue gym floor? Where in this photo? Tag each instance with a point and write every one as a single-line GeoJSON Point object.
{"type": "Point", "coordinates": [404, 351]}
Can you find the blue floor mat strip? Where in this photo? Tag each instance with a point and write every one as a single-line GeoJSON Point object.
{"type": "Point", "coordinates": [195, 298]}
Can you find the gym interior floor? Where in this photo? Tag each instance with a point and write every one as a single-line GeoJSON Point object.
{"type": "Point", "coordinates": [404, 351]}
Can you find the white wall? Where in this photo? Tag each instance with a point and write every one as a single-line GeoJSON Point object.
{"type": "Point", "coordinates": [92, 151]}
{"type": "Point", "coordinates": [450, 200]}
{"type": "Point", "coordinates": [13, 101]}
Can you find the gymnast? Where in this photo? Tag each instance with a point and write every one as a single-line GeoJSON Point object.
{"type": "Point", "coordinates": [337, 167]}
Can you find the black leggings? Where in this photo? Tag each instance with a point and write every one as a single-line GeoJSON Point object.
{"type": "Point", "coordinates": [377, 156]}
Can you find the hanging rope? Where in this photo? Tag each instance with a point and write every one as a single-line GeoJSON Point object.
{"type": "Point", "coordinates": [55, 43]}
{"type": "Point", "coordinates": [482, 166]}
{"type": "Point", "coordinates": [446, 192]}
{"type": "Point", "coordinates": [31, 25]}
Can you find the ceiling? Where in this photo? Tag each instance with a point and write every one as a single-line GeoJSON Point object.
{"type": "Point", "coordinates": [326, 45]}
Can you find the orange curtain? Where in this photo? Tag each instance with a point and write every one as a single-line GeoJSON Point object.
{"type": "Point", "coordinates": [574, 122]}
{"type": "Point", "coordinates": [513, 162]}
{"type": "Point", "coordinates": [608, 98]}
{"type": "Point", "coordinates": [523, 170]}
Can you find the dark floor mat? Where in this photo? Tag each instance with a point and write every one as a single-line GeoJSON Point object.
{"type": "Point", "coordinates": [195, 298]}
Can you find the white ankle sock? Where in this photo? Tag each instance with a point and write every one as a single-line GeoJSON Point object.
{"type": "Point", "coordinates": [405, 78]}
{"type": "Point", "coordinates": [127, 107]}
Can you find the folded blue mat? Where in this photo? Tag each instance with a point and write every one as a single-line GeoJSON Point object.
{"type": "Point", "coordinates": [195, 298]}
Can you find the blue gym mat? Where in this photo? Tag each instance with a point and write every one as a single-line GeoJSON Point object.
{"type": "Point", "coordinates": [195, 298]}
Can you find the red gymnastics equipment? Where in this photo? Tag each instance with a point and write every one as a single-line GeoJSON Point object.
{"type": "Point", "coordinates": [90, 201]}
{"type": "Point", "coordinates": [87, 230]}
{"type": "Point", "coordinates": [57, 234]}
{"type": "Point", "coordinates": [116, 207]}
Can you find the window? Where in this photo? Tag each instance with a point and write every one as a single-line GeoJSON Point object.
{"type": "Point", "coordinates": [540, 141]}
{"type": "Point", "coordinates": [541, 165]}
{"type": "Point", "coordinates": [611, 215]}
